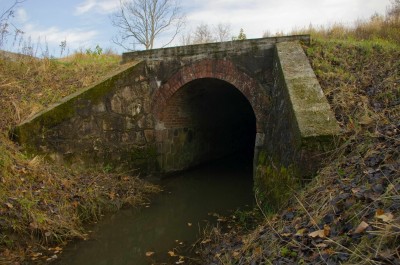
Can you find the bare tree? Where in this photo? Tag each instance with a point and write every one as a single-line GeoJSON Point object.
{"type": "Point", "coordinates": [266, 34]}
{"type": "Point", "coordinates": [142, 21]}
{"type": "Point", "coordinates": [186, 39]}
{"type": "Point", "coordinates": [203, 34]}
{"type": "Point", "coordinates": [223, 32]}
{"type": "Point", "coordinates": [393, 11]}
{"type": "Point", "coordinates": [5, 24]}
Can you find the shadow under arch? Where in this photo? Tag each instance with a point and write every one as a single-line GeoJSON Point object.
{"type": "Point", "coordinates": [221, 69]}
{"type": "Point", "coordinates": [206, 111]}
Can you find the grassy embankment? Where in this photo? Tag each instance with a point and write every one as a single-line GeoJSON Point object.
{"type": "Point", "coordinates": [350, 212]}
{"type": "Point", "coordinates": [43, 205]}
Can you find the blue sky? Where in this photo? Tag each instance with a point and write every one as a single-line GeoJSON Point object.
{"type": "Point", "coordinates": [86, 23]}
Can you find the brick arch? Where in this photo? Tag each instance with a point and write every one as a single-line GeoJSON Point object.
{"type": "Point", "coordinates": [224, 70]}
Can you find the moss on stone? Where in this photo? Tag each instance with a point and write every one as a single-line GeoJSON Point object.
{"type": "Point", "coordinates": [310, 107]}
{"type": "Point", "coordinates": [30, 132]}
{"type": "Point", "coordinates": [254, 47]}
{"type": "Point", "coordinates": [142, 153]}
{"type": "Point", "coordinates": [275, 184]}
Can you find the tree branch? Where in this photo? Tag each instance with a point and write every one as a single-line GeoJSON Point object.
{"type": "Point", "coordinates": [145, 20]}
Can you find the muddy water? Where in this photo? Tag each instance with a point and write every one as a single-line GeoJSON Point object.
{"type": "Point", "coordinates": [172, 220]}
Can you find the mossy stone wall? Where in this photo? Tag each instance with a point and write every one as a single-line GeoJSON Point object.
{"type": "Point", "coordinates": [108, 125]}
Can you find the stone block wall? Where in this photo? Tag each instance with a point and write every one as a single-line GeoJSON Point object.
{"type": "Point", "coordinates": [109, 124]}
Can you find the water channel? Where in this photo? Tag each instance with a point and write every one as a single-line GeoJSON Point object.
{"type": "Point", "coordinates": [171, 221]}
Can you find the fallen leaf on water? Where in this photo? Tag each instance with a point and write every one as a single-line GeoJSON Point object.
{"type": "Point", "coordinates": [181, 260]}
{"type": "Point", "coordinates": [149, 253]}
{"type": "Point", "coordinates": [171, 253]}
{"type": "Point", "coordinates": [361, 227]}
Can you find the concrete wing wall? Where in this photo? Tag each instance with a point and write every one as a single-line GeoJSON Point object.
{"type": "Point", "coordinates": [300, 126]}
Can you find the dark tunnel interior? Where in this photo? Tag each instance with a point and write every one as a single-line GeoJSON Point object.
{"type": "Point", "coordinates": [206, 119]}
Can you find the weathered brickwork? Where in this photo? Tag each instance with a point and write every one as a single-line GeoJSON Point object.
{"type": "Point", "coordinates": [182, 106]}
{"type": "Point", "coordinates": [220, 69]}
{"type": "Point", "coordinates": [205, 119]}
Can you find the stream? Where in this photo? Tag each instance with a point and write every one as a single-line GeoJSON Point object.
{"type": "Point", "coordinates": [172, 221]}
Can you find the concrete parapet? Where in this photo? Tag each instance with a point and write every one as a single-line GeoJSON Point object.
{"type": "Point", "coordinates": [208, 50]}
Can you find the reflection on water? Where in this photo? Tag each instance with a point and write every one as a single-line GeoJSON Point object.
{"type": "Point", "coordinates": [176, 215]}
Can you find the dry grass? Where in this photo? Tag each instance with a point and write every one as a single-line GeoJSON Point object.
{"type": "Point", "coordinates": [44, 205]}
{"type": "Point", "coordinates": [28, 84]}
{"type": "Point", "coordinates": [379, 29]}
{"type": "Point", "coordinates": [350, 213]}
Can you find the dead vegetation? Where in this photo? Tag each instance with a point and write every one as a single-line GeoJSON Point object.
{"type": "Point", "coordinates": [350, 213]}
{"type": "Point", "coordinates": [29, 84]}
{"type": "Point", "coordinates": [42, 205]}
{"type": "Point", "coordinates": [383, 29]}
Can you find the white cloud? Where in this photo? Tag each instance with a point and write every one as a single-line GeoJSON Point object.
{"type": "Point", "coordinates": [100, 6]}
{"type": "Point", "coordinates": [54, 36]}
{"type": "Point", "coordinates": [256, 16]}
{"type": "Point", "coordinates": [21, 15]}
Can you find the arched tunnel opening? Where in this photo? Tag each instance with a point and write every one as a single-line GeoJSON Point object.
{"type": "Point", "coordinates": [205, 120]}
